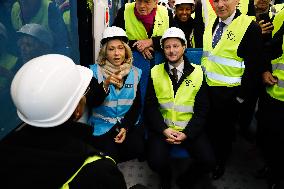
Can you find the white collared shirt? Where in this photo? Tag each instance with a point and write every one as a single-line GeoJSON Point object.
{"type": "Point", "coordinates": [179, 69]}
{"type": "Point", "coordinates": [227, 22]}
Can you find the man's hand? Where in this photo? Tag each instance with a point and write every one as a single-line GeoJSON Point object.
{"type": "Point", "coordinates": [174, 137]}
{"type": "Point", "coordinates": [141, 45]}
{"type": "Point", "coordinates": [266, 28]}
{"type": "Point", "coordinates": [147, 53]}
{"type": "Point", "coordinates": [268, 78]}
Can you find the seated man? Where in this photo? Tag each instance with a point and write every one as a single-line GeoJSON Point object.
{"type": "Point", "coordinates": [50, 150]}
{"type": "Point", "coordinates": [175, 111]}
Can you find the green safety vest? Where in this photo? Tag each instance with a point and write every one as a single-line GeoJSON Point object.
{"type": "Point", "coordinates": [88, 160]}
{"type": "Point", "coordinates": [222, 65]}
{"type": "Point", "coordinates": [278, 21]}
{"type": "Point", "coordinates": [40, 17]}
{"type": "Point", "coordinates": [135, 29]}
{"type": "Point", "coordinates": [243, 6]}
{"type": "Point", "coordinates": [277, 91]}
{"type": "Point", "coordinates": [177, 110]}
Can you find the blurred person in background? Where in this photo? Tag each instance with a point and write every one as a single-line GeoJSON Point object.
{"type": "Point", "coordinates": [46, 13]}
{"type": "Point", "coordinates": [34, 40]}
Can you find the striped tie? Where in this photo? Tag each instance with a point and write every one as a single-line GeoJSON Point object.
{"type": "Point", "coordinates": [218, 34]}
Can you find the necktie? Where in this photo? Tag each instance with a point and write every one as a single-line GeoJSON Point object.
{"type": "Point", "coordinates": [174, 70]}
{"type": "Point", "coordinates": [218, 34]}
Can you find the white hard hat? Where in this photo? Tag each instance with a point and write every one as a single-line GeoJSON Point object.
{"type": "Point", "coordinates": [178, 2]}
{"type": "Point", "coordinates": [114, 32]}
{"type": "Point", "coordinates": [46, 90]}
{"type": "Point", "coordinates": [173, 32]}
{"type": "Point", "coordinates": [37, 31]}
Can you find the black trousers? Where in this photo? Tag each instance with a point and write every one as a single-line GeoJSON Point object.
{"type": "Point", "coordinates": [222, 119]}
{"type": "Point", "coordinates": [159, 158]}
{"type": "Point", "coordinates": [131, 148]}
{"type": "Point", "coordinates": [270, 132]}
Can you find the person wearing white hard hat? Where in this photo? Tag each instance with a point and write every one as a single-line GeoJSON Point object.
{"type": "Point", "coordinates": [192, 29]}
{"type": "Point", "coordinates": [51, 149]}
{"type": "Point", "coordinates": [175, 114]}
{"type": "Point", "coordinates": [115, 99]}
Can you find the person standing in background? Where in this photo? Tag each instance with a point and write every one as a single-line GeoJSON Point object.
{"type": "Point", "coordinates": [232, 61]}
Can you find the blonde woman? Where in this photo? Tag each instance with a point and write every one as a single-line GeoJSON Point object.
{"type": "Point", "coordinates": [115, 100]}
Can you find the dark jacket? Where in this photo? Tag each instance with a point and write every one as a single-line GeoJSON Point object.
{"type": "Point", "coordinates": [154, 119]}
{"type": "Point", "coordinates": [34, 157]}
{"type": "Point", "coordinates": [191, 26]}
{"type": "Point", "coordinates": [120, 22]}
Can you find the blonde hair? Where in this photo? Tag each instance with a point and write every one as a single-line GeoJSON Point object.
{"type": "Point", "coordinates": [102, 54]}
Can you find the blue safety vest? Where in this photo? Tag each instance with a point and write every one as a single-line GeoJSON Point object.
{"type": "Point", "coordinates": [116, 104]}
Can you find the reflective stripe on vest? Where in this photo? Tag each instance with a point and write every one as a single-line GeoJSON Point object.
{"type": "Point", "coordinates": [277, 90]}
{"type": "Point", "coordinates": [177, 110]}
{"type": "Point", "coordinates": [41, 16]}
{"type": "Point", "coordinates": [116, 104]}
{"type": "Point", "coordinates": [87, 161]}
{"type": "Point", "coordinates": [135, 30]}
{"type": "Point", "coordinates": [221, 65]}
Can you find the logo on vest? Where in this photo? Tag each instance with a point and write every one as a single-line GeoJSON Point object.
{"type": "Point", "coordinates": [160, 22]}
{"type": "Point", "coordinates": [128, 85]}
{"type": "Point", "coordinates": [189, 82]}
{"type": "Point", "coordinates": [231, 36]}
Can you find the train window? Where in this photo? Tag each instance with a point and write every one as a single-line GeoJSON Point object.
{"type": "Point", "coordinates": [31, 28]}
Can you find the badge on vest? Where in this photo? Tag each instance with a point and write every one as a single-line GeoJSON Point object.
{"type": "Point", "coordinates": [231, 36]}
{"type": "Point", "coordinates": [128, 85]}
{"type": "Point", "coordinates": [189, 82]}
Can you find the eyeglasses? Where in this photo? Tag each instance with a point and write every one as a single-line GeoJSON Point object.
{"type": "Point", "coordinates": [87, 90]}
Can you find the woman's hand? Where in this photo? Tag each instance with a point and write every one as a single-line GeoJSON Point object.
{"type": "Point", "coordinates": [114, 79]}
{"type": "Point", "coordinates": [120, 137]}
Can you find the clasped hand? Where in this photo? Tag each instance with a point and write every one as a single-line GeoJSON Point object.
{"type": "Point", "coordinates": [173, 136]}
